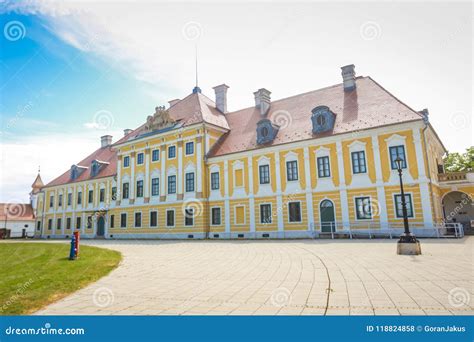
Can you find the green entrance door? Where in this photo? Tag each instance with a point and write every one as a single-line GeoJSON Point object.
{"type": "Point", "coordinates": [326, 211]}
{"type": "Point", "coordinates": [101, 226]}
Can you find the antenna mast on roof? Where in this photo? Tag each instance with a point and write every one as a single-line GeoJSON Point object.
{"type": "Point", "coordinates": [196, 88]}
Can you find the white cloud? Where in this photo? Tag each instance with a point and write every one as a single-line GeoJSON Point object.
{"type": "Point", "coordinates": [54, 152]}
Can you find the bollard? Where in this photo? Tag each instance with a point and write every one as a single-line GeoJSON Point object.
{"type": "Point", "coordinates": [77, 235]}
{"type": "Point", "coordinates": [72, 252]}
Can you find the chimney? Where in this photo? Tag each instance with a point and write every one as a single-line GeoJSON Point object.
{"type": "Point", "coordinates": [348, 77]}
{"type": "Point", "coordinates": [262, 100]}
{"type": "Point", "coordinates": [127, 131]}
{"type": "Point", "coordinates": [173, 102]}
{"type": "Point", "coordinates": [105, 140]}
{"type": "Point", "coordinates": [221, 97]}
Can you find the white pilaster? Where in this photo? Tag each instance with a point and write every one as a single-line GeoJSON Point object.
{"type": "Point", "coordinates": [199, 160]}
{"type": "Point", "coordinates": [379, 183]}
{"type": "Point", "coordinates": [342, 185]}
{"type": "Point", "coordinates": [163, 180]}
{"type": "Point", "coordinates": [426, 199]}
{"type": "Point", "coordinates": [278, 193]}
{"type": "Point", "coordinates": [309, 193]}
{"type": "Point", "coordinates": [226, 197]}
{"type": "Point", "coordinates": [83, 223]}
{"type": "Point", "coordinates": [132, 177]}
{"type": "Point", "coordinates": [251, 195]}
{"type": "Point", "coordinates": [119, 179]}
{"type": "Point", "coordinates": [179, 176]}
{"type": "Point", "coordinates": [146, 181]}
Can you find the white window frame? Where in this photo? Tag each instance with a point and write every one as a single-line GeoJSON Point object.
{"type": "Point", "coordinates": [126, 220]}
{"type": "Point", "coordinates": [158, 160]}
{"type": "Point", "coordinates": [134, 219]}
{"type": "Point", "coordinates": [185, 151]}
{"type": "Point", "coordinates": [143, 154]}
{"type": "Point", "coordinates": [184, 216]}
{"type": "Point", "coordinates": [174, 218]}
{"type": "Point", "coordinates": [129, 161]}
{"type": "Point", "coordinates": [260, 213]}
{"type": "Point", "coordinates": [220, 214]}
{"type": "Point", "coordinates": [301, 212]}
{"type": "Point", "coordinates": [168, 152]}
{"type": "Point", "coordinates": [412, 205]}
{"type": "Point", "coordinates": [149, 217]}
{"type": "Point", "coordinates": [355, 208]}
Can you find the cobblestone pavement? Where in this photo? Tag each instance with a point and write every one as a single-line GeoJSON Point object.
{"type": "Point", "coordinates": [297, 277]}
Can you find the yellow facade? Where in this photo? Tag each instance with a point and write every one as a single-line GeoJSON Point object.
{"type": "Point", "coordinates": [241, 197]}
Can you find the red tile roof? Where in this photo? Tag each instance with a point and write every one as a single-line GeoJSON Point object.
{"type": "Point", "coordinates": [368, 106]}
{"type": "Point", "coordinates": [105, 154]}
{"type": "Point", "coordinates": [194, 108]}
{"type": "Point", "coordinates": [16, 212]}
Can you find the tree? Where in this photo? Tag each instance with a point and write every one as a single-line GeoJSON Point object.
{"type": "Point", "coordinates": [457, 162]}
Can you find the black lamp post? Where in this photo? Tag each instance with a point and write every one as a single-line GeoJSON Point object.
{"type": "Point", "coordinates": [406, 236]}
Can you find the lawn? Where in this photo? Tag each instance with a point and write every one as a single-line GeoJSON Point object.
{"type": "Point", "coordinates": [33, 275]}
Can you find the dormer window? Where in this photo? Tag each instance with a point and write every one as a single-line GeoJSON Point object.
{"type": "Point", "coordinates": [323, 119]}
{"type": "Point", "coordinates": [76, 171]}
{"type": "Point", "coordinates": [95, 168]}
{"type": "Point", "coordinates": [266, 131]}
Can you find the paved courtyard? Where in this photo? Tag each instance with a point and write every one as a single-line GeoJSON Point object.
{"type": "Point", "coordinates": [299, 277]}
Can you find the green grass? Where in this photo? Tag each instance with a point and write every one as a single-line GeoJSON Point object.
{"type": "Point", "coordinates": [33, 275]}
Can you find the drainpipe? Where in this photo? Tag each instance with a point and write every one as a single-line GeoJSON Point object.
{"type": "Point", "coordinates": [426, 123]}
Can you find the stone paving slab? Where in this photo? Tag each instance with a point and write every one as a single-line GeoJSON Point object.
{"type": "Point", "coordinates": [292, 277]}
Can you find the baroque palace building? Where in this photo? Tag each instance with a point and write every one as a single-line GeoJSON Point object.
{"type": "Point", "coordinates": [302, 166]}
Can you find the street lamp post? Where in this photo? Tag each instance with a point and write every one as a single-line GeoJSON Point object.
{"type": "Point", "coordinates": [407, 237]}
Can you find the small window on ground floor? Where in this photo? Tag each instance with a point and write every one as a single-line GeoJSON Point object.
{"type": "Point", "coordinates": [189, 217]}
{"type": "Point", "coordinates": [216, 216]}
{"type": "Point", "coordinates": [123, 220]}
{"type": "Point", "coordinates": [138, 220]}
{"type": "Point", "coordinates": [170, 218]}
{"type": "Point", "coordinates": [399, 207]}
{"type": "Point", "coordinates": [265, 213]}
{"type": "Point", "coordinates": [294, 211]}
{"type": "Point", "coordinates": [363, 208]}
{"type": "Point", "coordinates": [153, 219]}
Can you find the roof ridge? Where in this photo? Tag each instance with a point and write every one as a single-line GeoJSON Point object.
{"type": "Point", "coordinates": [396, 98]}
{"type": "Point", "coordinates": [296, 95]}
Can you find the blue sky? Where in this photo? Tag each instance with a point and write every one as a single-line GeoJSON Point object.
{"type": "Point", "coordinates": [84, 69]}
{"type": "Point", "coordinates": [57, 87]}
